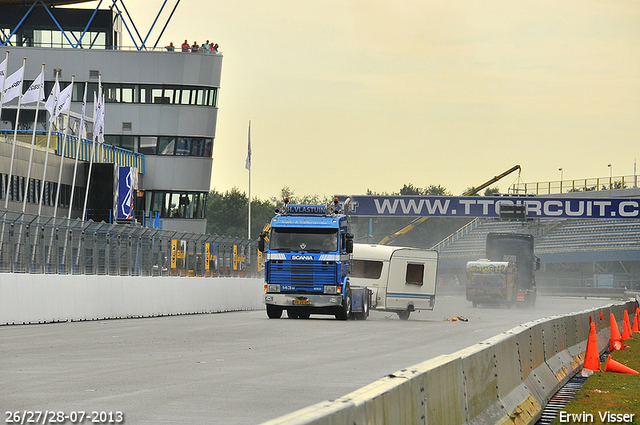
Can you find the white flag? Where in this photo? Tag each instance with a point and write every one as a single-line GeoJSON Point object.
{"type": "Point", "coordinates": [102, 120]}
{"type": "Point", "coordinates": [247, 165]}
{"type": "Point", "coordinates": [3, 71]}
{"type": "Point", "coordinates": [13, 85]}
{"type": "Point", "coordinates": [97, 112]}
{"type": "Point", "coordinates": [84, 109]}
{"type": "Point", "coordinates": [63, 102]}
{"type": "Point", "coordinates": [53, 98]}
{"type": "Point", "coordinates": [35, 92]}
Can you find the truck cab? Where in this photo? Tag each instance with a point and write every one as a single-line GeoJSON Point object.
{"type": "Point", "coordinates": [517, 248]}
{"type": "Point", "coordinates": [308, 251]}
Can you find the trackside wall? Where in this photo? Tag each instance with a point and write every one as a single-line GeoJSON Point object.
{"type": "Point", "coordinates": [507, 379]}
{"type": "Point", "coordinates": [44, 298]}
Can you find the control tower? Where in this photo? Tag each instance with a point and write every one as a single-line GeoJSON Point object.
{"type": "Point", "coordinates": [160, 104]}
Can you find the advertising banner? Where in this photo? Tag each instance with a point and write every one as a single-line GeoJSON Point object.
{"type": "Point", "coordinates": [127, 186]}
{"type": "Point", "coordinates": [488, 207]}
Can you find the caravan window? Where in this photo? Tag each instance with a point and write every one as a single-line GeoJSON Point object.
{"type": "Point", "coordinates": [415, 272]}
{"type": "Point", "coordinates": [366, 269]}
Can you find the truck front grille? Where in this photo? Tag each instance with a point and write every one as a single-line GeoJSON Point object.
{"type": "Point", "coordinates": [304, 275]}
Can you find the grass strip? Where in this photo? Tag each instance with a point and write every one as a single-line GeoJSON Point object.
{"type": "Point", "coordinates": [608, 393]}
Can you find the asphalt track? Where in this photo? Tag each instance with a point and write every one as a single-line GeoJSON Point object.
{"type": "Point", "coordinates": [232, 368]}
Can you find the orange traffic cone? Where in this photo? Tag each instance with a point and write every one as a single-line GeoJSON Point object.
{"type": "Point", "coordinates": [601, 316]}
{"type": "Point", "coordinates": [635, 324]}
{"type": "Point", "coordinates": [592, 356]}
{"type": "Point", "coordinates": [626, 327]}
{"type": "Point", "coordinates": [613, 366]}
{"type": "Point", "coordinates": [615, 342]}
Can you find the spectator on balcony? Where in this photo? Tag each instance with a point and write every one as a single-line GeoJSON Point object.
{"type": "Point", "coordinates": [185, 46]}
{"type": "Point", "coordinates": [194, 47]}
{"type": "Point", "coordinates": [170, 47]}
{"type": "Point", "coordinates": [214, 48]}
{"type": "Point", "coordinates": [205, 47]}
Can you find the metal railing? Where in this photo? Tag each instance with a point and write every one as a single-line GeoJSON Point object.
{"type": "Point", "coordinates": [577, 185]}
{"type": "Point", "coordinates": [103, 152]}
{"type": "Point", "coordinates": [460, 233]}
{"type": "Point", "coordinates": [36, 244]}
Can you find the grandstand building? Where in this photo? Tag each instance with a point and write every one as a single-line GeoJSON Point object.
{"type": "Point", "coordinates": [161, 113]}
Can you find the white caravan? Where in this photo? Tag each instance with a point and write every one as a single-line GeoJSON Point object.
{"type": "Point", "coordinates": [400, 279]}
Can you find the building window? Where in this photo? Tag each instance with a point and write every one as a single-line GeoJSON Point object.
{"type": "Point", "coordinates": [163, 145]}
{"type": "Point", "coordinates": [166, 145]}
{"type": "Point", "coordinates": [148, 145]}
{"type": "Point", "coordinates": [130, 93]}
{"type": "Point", "coordinates": [162, 94]}
{"type": "Point", "coordinates": [129, 143]}
{"type": "Point", "coordinates": [177, 204]}
{"type": "Point", "coordinates": [18, 189]}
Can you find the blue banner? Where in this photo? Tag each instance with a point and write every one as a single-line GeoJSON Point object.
{"type": "Point", "coordinates": [484, 206]}
{"type": "Point", "coordinates": [127, 185]}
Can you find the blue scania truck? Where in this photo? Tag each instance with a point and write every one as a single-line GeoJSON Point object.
{"type": "Point", "coordinates": [308, 251]}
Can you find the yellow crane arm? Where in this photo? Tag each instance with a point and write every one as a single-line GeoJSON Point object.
{"type": "Point", "coordinates": [418, 221]}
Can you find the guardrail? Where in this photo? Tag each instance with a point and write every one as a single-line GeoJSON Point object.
{"type": "Point", "coordinates": [29, 298]}
{"type": "Point", "coordinates": [505, 379]}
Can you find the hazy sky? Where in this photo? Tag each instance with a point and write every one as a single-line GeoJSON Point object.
{"type": "Point", "coordinates": [346, 95]}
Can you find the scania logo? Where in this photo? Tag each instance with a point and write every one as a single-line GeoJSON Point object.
{"type": "Point", "coordinates": [302, 257]}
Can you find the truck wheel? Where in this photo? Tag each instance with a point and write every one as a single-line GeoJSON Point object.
{"type": "Point", "coordinates": [273, 311]}
{"type": "Point", "coordinates": [404, 315]}
{"type": "Point", "coordinates": [345, 311]}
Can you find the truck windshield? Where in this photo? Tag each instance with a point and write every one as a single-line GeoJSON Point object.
{"type": "Point", "coordinates": [291, 239]}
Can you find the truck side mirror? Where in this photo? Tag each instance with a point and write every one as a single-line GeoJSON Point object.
{"type": "Point", "coordinates": [349, 247]}
{"type": "Point", "coordinates": [261, 244]}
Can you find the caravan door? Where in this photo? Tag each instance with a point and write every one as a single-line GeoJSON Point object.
{"type": "Point", "coordinates": [412, 280]}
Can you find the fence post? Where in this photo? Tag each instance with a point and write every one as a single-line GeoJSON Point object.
{"type": "Point", "coordinates": [29, 266]}
{"type": "Point", "coordinates": [42, 250]}
{"type": "Point", "coordinates": [69, 253]}
{"type": "Point", "coordinates": [107, 254]}
{"type": "Point", "coordinates": [11, 250]}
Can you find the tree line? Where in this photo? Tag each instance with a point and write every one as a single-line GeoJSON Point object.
{"type": "Point", "coordinates": [227, 214]}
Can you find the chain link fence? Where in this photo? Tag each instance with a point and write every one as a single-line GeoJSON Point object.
{"type": "Point", "coordinates": [36, 244]}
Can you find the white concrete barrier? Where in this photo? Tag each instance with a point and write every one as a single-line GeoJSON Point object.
{"type": "Point", "coordinates": [41, 298]}
{"type": "Point", "coordinates": [507, 379]}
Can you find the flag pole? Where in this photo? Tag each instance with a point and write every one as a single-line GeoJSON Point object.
{"type": "Point", "coordinates": [96, 123]}
{"type": "Point", "coordinates": [79, 143]}
{"type": "Point", "coordinates": [46, 155]}
{"type": "Point", "coordinates": [33, 140]}
{"type": "Point", "coordinates": [15, 135]}
{"type": "Point", "coordinates": [4, 77]}
{"type": "Point", "coordinates": [248, 166]}
{"type": "Point", "coordinates": [64, 145]}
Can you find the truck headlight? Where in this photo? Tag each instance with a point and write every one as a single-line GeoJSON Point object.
{"type": "Point", "coordinates": [330, 289]}
{"type": "Point", "coordinates": [273, 287]}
